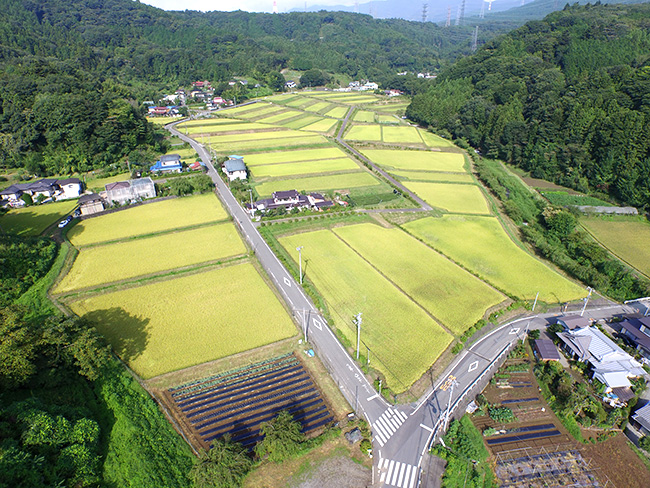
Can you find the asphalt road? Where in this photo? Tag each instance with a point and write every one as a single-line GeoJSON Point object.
{"type": "Point", "coordinates": [403, 434]}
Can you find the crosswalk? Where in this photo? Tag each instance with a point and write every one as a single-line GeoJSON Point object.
{"type": "Point", "coordinates": [387, 425]}
{"type": "Point", "coordinates": [394, 473]}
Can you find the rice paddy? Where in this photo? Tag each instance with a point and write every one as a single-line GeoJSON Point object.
{"type": "Point", "coordinates": [452, 295]}
{"type": "Point", "coordinates": [481, 246]}
{"type": "Point", "coordinates": [33, 220]}
{"type": "Point", "coordinates": [364, 116]}
{"type": "Point", "coordinates": [170, 325]}
{"type": "Point", "coordinates": [433, 176]}
{"type": "Point", "coordinates": [402, 338]}
{"type": "Point", "coordinates": [279, 118]}
{"type": "Point", "coordinates": [364, 133]}
{"type": "Point", "coordinates": [455, 198]}
{"type": "Point", "coordinates": [298, 155]}
{"type": "Point", "coordinates": [417, 160]}
{"type": "Point", "coordinates": [337, 112]}
{"type": "Point", "coordinates": [123, 260]}
{"type": "Point", "coordinates": [271, 144]}
{"type": "Point", "coordinates": [303, 121]}
{"type": "Point", "coordinates": [432, 140]}
{"type": "Point", "coordinates": [303, 167]}
{"type": "Point", "coordinates": [403, 135]}
{"type": "Point", "coordinates": [324, 125]}
{"type": "Point", "coordinates": [148, 219]}
{"type": "Point", "coordinates": [221, 128]}
{"type": "Point", "coordinates": [342, 181]}
{"type": "Point", "coordinates": [318, 107]}
{"type": "Point", "coordinates": [626, 237]}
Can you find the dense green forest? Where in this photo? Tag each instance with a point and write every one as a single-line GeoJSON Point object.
{"type": "Point", "coordinates": [566, 98]}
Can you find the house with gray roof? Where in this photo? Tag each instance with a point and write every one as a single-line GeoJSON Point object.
{"type": "Point", "coordinates": [235, 169]}
{"type": "Point", "coordinates": [637, 329]}
{"type": "Point", "coordinates": [123, 192]}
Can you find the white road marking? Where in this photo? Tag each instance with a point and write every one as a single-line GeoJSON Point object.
{"type": "Point", "coordinates": [369, 399]}
{"type": "Point", "coordinates": [380, 431]}
{"type": "Point", "coordinates": [287, 282]}
{"type": "Point", "coordinates": [407, 475]}
{"type": "Point", "coordinates": [401, 475]}
{"type": "Point", "coordinates": [395, 473]}
{"type": "Point", "coordinates": [472, 366]}
{"type": "Point", "coordinates": [514, 331]}
{"type": "Point", "coordinates": [382, 476]}
{"type": "Point", "coordinates": [389, 428]}
{"type": "Point", "coordinates": [414, 477]}
{"type": "Point", "coordinates": [426, 427]}
{"type": "Point", "coordinates": [317, 323]}
{"type": "Point", "coordinates": [391, 465]}
{"type": "Point", "coordinates": [403, 415]}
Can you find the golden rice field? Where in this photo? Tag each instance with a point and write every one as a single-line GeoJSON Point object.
{"type": "Point", "coordinates": [264, 111]}
{"type": "Point", "coordinates": [337, 112]}
{"type": "Point", "coordinates": [405, 135]}
{"type": "Point", "coordinates": [245, 108]}
{"type": "Point", "coordinates": [234, 139]}
{"type": "Point", "coordinates": [404, 340]}
{"type": "Point", "coordinates": [297, 155]}
{"type": "Point", "coordinates": [626, 237]}
{"type": "Point", "coordinates": [280, 117]}
{"type": "Point", "coordinates": [170, 325]}
{"type": "Point", "coordinates": [222, 128]}
{"type": "Point", "coordinates": [455, 198]}
{"type": "Point", "coordinates": [481, 245]}
{"type": "Point", "coordinates": [434, 176]}
{"type": "Point", "coordinates": [160, 121]}
{"type": "Point", "coordinates": [299, 102]}
{"type": "Point", "coordinates": [390, 119]}
{"type": "Point", "coordinates": [417, 160]}
{"type": "Point", "coordinates": [454, 296]}
{"type": "Point", "coordinates": [318, 106]}
{"type": "Point", "coordinates": [342, 181]}
{"type": "Point", "coordinates": [209, 122]}
{"type": "Point", "coordinates": [303, 167]}
{"type": "Point", "coordinates": [324, 125]}
{"type": "Point", "coordinates": [364, 133]}
{"type": "Point", "coordinates": [123, 260]}
{"type": "Point", "coordinates": [33, 220]}
{"type": "Point", "coordinates": [271, 144]}
{"type": "Point", "coordinates": [433, 140]}
{"type": "Point", "coordinates": [148, 219]}
{"type": "Point", "coordinates": [303, 121]}
{"type": "Point", "coordinates": [353, 99]}
{"type": "Point", "coordinates": [364, 116]}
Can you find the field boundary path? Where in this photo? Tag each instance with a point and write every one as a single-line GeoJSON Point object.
{"type": "Point", "coordinates": [424, 206]}
{"type": "Point", "coordinates": [402, 435]}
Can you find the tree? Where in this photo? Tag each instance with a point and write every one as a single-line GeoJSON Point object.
{"type": "Point", "coordinates": [313, 77]}
{"type": "Point", "coordinates": [534, 334]}
{"type": "Point", "coordinates": [224, 466]}
{"type": "Point", "coordinates": [282, 438]}
{"type": "Point", "coordinates": [276, 81]}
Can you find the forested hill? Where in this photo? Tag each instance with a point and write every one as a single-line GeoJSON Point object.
{"type": "Point", "coordinates": [567, 98]}
{"type": "Point", "coordinates": [73, 73]}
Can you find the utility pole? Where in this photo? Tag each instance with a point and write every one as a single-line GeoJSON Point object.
{"type": "Point", "coordinates": [586, 300]}
{"type": "Point", "coordinates": [304, 322]}
{"type": "Point", "coordinates": [357, 321]}
{"type": "Point", "coordinates": [535, 303]}
{"type": "Point", "coordinates": [448, 412]}
{"type": "Point", "coordinates": [250, 192]}
{"type": "Point", "coordinates": [379, 386]}
{"type": "Point", "coordinates": [299, 249]}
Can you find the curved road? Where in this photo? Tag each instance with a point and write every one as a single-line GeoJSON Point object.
{"type": "Point", "coordinates": [403, 434]}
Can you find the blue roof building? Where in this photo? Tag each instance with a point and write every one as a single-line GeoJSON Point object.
{"type": "Point", "coordinates": [169, 163]}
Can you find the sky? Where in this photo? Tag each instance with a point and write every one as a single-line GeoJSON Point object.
{"type": "Point", "coordinates": [248, 5]}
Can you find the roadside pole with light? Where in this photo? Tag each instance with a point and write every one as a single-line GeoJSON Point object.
{"type": "Point", "coordinates": [357, 321]}
{"type": "Point", "coordinates": [299, 249]}
{"type": "Point", "coordinates": [584, 307]}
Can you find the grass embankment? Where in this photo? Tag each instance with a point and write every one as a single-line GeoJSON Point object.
{"type": "Point", "coordinates": [33, 220]}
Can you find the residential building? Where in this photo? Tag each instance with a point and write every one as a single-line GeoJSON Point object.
{"type": "Point", "coordinates": [637, 329]}
{"type": "Point", "coordinates": [290, 84]}
{"type": "Point", "coordinates": [169, 163]}
{"type": "Point", "coordinates": [70, 188]}
{"type": "Point", "coordinates": [235, 169]}
{"type": "Point", "coordinates": [124, 192]}
{"type": "Point", "coordinates": [46, 188]}
{"type": "Point", "coordinates": [289, 200]}
{"type": "Point", "coordinates": [641, 419]}
{"type": "Point", "coordinates": [90, 204]}
{"type": "Point", "coordinates": [607, 362]}
{"type": "Point", "coordinates": [571, 322]}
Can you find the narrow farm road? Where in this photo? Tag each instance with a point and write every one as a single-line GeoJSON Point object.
{"type": "Point", "coordinates": [402, 435]}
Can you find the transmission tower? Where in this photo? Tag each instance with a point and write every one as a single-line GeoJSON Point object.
{"type": "Point", "coordinates": [356, 6]}
{"type": "Point", "coordinates": [425, 6]}
{"type": "Point", "coordinates": [462, 11]}
{"type": "Point", "coordinates": [275, 6]}
{"type": "Point", "coordinates": [458, 16]}
{"type": "Point", "coordinates": [448, 23]}
{"type": "Point", "coordinates": [475, 39]}
{"type": "Point", "coordinates": [482, 14]}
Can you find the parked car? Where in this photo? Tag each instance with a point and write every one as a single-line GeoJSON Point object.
{"type": "Point", "coordinates": [65, 222]}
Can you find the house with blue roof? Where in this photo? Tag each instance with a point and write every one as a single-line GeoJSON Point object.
{"type": "Point", "coordinates": [169, 163]}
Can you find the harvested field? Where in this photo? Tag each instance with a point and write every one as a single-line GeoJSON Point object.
{"type": "Point", "coordinates": [402, 338]}
{"type": "Point", "coordinates": [452, 295]}
{"type": "Point", "coordinates": [297, 155]}
{"type": "Point", "coordinates": [498, 260]}
{"type": "Point", "coordinates": [303, 167]}
{"type": "Point", "coordinates": [148, 219]}
{"type": "Point", "coordinates": [265, 111]}
{"type": "Point", "coordinates": [416, 160]}
{"type": "Point", "coordinates": [95, 266]}
{"type": "Point", "coordinates": [173, 324]}
{"type": "Point", "coordinates": [33, 220]}
{"type": "Point", "coordinates": [238, 401]}
{"type": "Point", "coordinates": [341, 181]}
{"type": "Point", "coordinates": [455, 198]}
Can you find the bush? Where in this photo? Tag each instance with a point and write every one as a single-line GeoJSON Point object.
{"type": "Point", "coordinates": [501, 414]}
{"type": "Point", "coordinates": [365, 446]}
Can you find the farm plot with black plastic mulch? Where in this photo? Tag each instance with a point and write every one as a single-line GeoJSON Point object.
{"type": "Point", "coordinates": [238, 401]}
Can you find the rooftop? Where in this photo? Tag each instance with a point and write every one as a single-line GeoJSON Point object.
{"type": "Point", "coordinates": [233, 165]}
{"type": "Point", "coordinates": [547, 350]}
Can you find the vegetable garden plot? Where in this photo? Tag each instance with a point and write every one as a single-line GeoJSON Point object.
{"type": "Point", "coordinates": [238, 401]}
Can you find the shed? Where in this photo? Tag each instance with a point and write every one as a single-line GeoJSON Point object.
{"type": "Point", "coordinates": [545, 350]}
{"type": "Point", "coordinates": [90, 204]}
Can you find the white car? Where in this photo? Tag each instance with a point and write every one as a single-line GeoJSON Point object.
{"type": "Point", "coordinates": [65, 222]}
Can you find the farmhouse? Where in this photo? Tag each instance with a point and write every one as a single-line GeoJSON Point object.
{"type": "Point", "coordinates": [573, 322]}
{"type": "Point", "coordinates": [70, 188]}
{"type": "Point", "coordinates": [607, 362]}
{"type": "Point", "coordinates": [123, 192]}
{"type": "Point", "coordinates": [641, 419]}
{"type": "Point", "coordinates": [290, 84]}
{"type": "Point", "coordinates": [288, 200]}
{"type": "Point", "coordinates": [235, 169]}
{"type": "Point", "coordinates": [91, 204]}
{"type": "Point", "coordinates": [169, 163]}
{"type": "Point", "coordinates": [637, 329]}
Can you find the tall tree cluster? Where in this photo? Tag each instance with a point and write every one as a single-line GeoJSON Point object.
{"type": "Point", "coordinates": [566, 98]}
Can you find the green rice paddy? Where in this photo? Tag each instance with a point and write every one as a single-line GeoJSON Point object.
{"type": "Point", "coordinates": [405, 135]}
{"type": "Point", "coordinates": [324, 125]}
{"type": "Point", "coordinates": [433, 176]}
{"type": "Point", "coordinates": [364, 133]}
